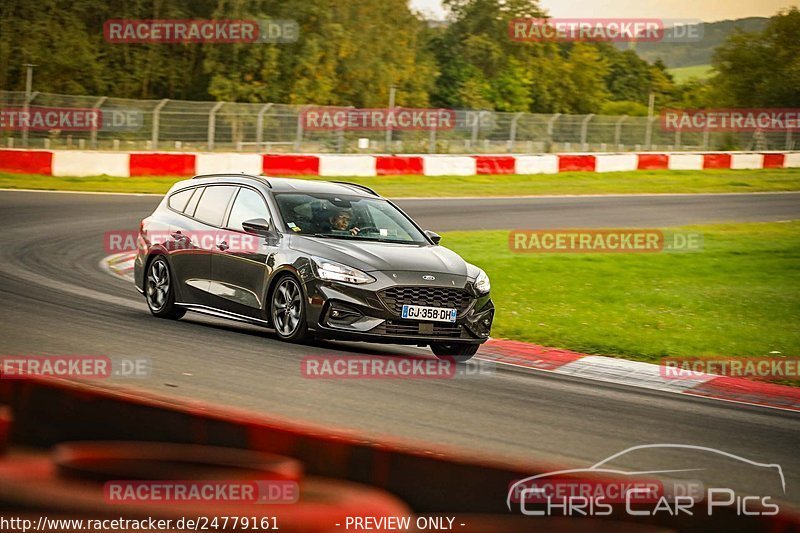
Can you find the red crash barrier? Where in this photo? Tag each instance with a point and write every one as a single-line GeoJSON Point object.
{"type": "Point", "coordinates": [27, 161]}
{"type": "Point", "coordinates": [162, 165]}
{"type": "Point", "coordinates": [291, 165]}
{"type": "Point", "coordinates": [653, 162]}
{"type": "Point", "coordinates": [774, 160]}
{"type": "Point", "coordinates": [393, 165]}
{"type": "Point", "coordinates": [716, 161]}
{"type": "Point", "coordinates": [582, 163]}
{"type": "Point", "coordinates": [495, 164]}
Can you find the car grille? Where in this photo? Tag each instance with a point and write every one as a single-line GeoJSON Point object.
{"type": "Point", "coordinates": [394, 298]}
{"type": "Point", "coordinates": [402, 328]}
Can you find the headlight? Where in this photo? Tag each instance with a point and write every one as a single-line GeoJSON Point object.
{"type": "Point", "coordinates": [334, 271]}
{"type": "Point", "coordinates": [482, 284]}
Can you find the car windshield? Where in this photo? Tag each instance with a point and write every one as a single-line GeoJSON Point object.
{"type": "Point", "coordinates": [346, 217]}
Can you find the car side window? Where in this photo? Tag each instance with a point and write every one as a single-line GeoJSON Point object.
{"type": "Point", "coordinates": [213, 204]}
{"type": "Point", "coordinates": [179, 200]}
{"type": "Point", "coordinates": [247, 206]}
{"type": "Point", "coordinates": [192, 205]}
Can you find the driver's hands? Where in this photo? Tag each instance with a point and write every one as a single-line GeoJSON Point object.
{"type": "Point", "coordinates": [354, 231]}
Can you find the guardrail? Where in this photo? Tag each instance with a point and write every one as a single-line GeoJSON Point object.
{"type": "Point", "coordinates": [88, 163]}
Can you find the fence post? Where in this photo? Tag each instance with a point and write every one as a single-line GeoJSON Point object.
{"type": "Point", "coordinates": [678, 139]}
{"type": "Point", "coordinates": [475, 127]}
{"type": "Point", "coordinates": [156, 119]}
{"type": "Point", "coordinates": [550, 126]}
{"type": "Point", "coordinates": [618, 130]}
{"type": "Point", "coordinates": [298, 138]}
{"type": "Point", "coordinates": [93, 138]}
{"type": "Point", "coordinates": [788, 139]}
{"type": "Point", "coordinates": [432, 139]}
{"type": "Point", "coordinates": [260, 125]}
{"type": "Point", "coordinates": [648, 134]}
{"type": "Point", "coordinates": [212, 125]}
{"type": "Point", "coordinates": [585, 131]}
{"type": "Point", "coordinates": [705, 139]}
{"type": "Point", "coordinates": [26, 109]}
{"type": "Point", "coordinates": [512, 137]}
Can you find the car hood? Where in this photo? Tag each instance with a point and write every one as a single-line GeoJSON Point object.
{"type": "Point", "coordinates": [370, 256]}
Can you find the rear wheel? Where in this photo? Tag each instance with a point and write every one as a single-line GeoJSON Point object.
{"type": "Point", "coordinates": [288, 311]}
{"type": "Point", "coordinates": [459, 352]}
{"type": "Point", "coordinates": [159, 290]}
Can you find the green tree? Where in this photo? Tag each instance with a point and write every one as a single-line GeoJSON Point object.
{"type": "Point", "coordinates": [761, 69]}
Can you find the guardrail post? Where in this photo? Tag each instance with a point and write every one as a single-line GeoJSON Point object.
{"type": "Point", "coordinates": [212, 124]}
{"type": "Point", "coordinates": [585, 131]}
{"type": "Point", "coordinates": [260, 125]}
{"type": "Point", "coordinates": [93, 137]}
{"type": "Point", "coordinates": [156, 119]}
{"type": "Point", "coordinates": [618, 130]}
{"type": "Point", "coordinates": [512, 136]}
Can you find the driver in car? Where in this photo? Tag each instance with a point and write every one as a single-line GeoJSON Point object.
{"type": "Point", "coordinates": [340, 221]}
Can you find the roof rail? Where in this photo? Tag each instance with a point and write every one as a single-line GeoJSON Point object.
{"type": "Point", "coordinates": [358, 186]}
{"type": "Point", "coordinates": [262, 179]}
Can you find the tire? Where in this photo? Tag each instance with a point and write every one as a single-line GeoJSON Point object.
{"type": "Point", "coordinates": [159, 290]}
{"type": "Point", "coordinates": [287, 310]}
{"type": "Point", "coordinates": [458, 351]}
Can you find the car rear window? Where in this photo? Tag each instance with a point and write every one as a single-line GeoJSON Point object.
{"type": "Point", "coordinates": [213, 204]}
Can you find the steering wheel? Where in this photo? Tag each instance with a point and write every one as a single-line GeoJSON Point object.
{"type": "Point", "coordinates": [367, 229]}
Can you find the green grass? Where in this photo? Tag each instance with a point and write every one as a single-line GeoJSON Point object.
{"type": "Point", "coordinates": [740, 296]}
{"type": "Point", "coordinates": [684, 74]}
{"type": "Point", "coordinates": [642, 181]}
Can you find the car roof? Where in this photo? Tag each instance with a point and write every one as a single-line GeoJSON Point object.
{"type": "Point", "coordinates": [282, 184]}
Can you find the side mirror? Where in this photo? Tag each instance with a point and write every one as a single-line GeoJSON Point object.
{"type": "Point", "coordinates": [258, 226]}
{"type": "Point", "coordinates": [433, 236]}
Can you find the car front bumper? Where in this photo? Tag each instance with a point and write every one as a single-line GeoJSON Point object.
{"type": "Point", "coordinates": [360, 312]}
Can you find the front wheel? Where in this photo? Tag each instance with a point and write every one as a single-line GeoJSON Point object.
{"type": "Point", "coordinates": [459, 352]}
{"type": "Point", "coordinates": [159, 290]}
{"type": "Point", "coordinates": [288, 311]}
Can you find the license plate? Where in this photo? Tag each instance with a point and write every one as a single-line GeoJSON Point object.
{"type": "Point", "coordinates": [436, 314]}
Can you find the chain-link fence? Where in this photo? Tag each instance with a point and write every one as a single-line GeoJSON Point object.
{"type": "Point", "coordinates": [128, 124]}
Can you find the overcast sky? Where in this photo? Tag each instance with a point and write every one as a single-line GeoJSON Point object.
{"type": "Point", "coordinates": [706, 10]}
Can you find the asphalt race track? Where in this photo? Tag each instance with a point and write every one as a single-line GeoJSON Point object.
{"type": "Point", "coordinates": [56, 299]}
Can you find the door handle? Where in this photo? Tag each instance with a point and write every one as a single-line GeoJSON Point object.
{"type": "Point", "coordinates": [223, 246]}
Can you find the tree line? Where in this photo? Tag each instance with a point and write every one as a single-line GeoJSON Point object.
{"type": "Point", "coordinates": [350, 52]}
